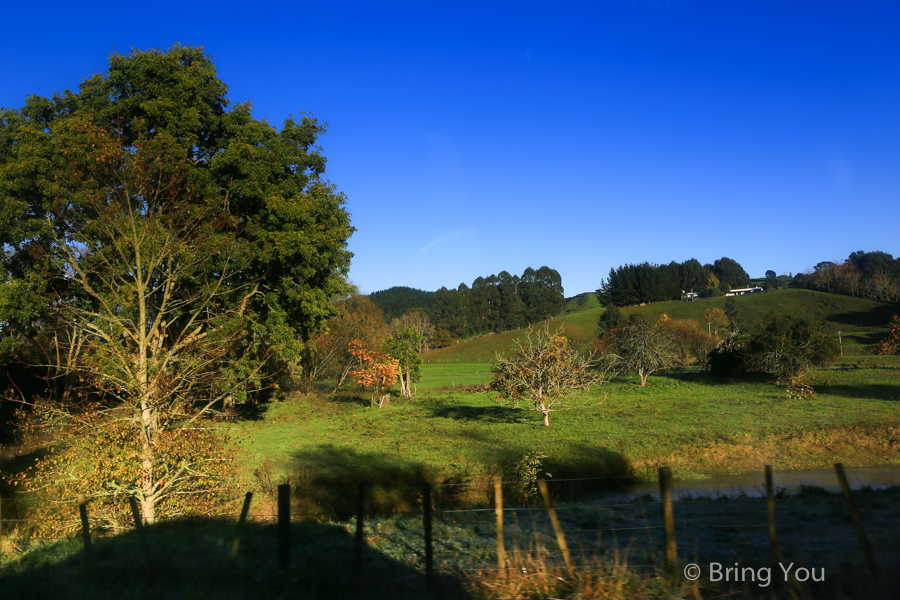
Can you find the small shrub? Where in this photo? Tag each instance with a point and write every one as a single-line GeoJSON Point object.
{"type": "Point", "coordinates": [891, 344]}
{"type": "Point", "coordinates": [798, 390]}
{"type": "Point", "coordinates": [526, 472]}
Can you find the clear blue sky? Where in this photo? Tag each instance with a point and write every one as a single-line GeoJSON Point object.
{"type": "Point", "coordinates": [582, 136]}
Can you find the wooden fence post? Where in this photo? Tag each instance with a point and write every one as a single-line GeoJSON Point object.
{"type": "Point", "coordinates": [240, 526]}
{"type": "Point", "coordinates": [770, 501]}
{"type": "Point", "coordinates": [429, 549]}
{"type": "Point", "coordinates": [668, 513]}
{"type": "Point", "coordinates": [501, 545]}
{"type": "Point", "coordinates": [284, 526]}
{"type": "Point", "coordinates": [358, 539]}
{"type": "Point", "coordinates": [142, 534]}
{"type": "Point", "coordinates": [85, 525]}
{"type": "Point", "coordinates": [857, 521]}
{"type": "Point", "coordinates": [557, 528]}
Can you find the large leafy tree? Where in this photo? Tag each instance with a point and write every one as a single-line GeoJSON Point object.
{"type": "Point", "coordinates": [636, 284]}
{"type": "Point", "coordinates": [730, 273]}
{"type": "Point", "coordinates": [174, 250]}
{"type": "Point", "coordinates": [402, 346]}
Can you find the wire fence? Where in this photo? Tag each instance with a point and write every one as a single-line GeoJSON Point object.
{"type": "Point", "coordinates": [758, 517]}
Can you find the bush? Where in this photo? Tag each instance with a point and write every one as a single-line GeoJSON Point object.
{"type": "Point", "coordinates": [891, 344]}
{"type": "Point", "coordinates": [728, 358]}
{"type": "Point", "coordinates": [788, 346]}
{"type": "Point", "coordinates": [782, 345]}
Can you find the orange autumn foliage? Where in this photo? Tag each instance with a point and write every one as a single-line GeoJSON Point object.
{"type": "Point", "coordinates": [376, 368]}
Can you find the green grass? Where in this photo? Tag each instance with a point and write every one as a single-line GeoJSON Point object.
{"type": "Point", "coordinates": [447, 375]}
{"type": "Point", "coordinates": [688, 420]}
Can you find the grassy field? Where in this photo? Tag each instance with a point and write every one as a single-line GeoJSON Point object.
{"type": "Point", "coordinates": [686, 419]}
{"type": "Point", "coordinates": [325, 445]}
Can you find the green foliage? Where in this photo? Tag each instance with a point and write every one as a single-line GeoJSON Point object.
{"type": "Point", "coordinates": [789, 346]}
{"type": "Point", "coordinates": [728, 358]}
{"type": "Point", "coordinates": [636, 284]}
{"type": "Point", "coordinates": [610, 319]}
{"type": "Point", "coordinates": [733, 314]}
{"type": "Point", "coordinates": [782, 345]}
{"type": "Point", "coordinates": [499, 303]}
{"type": "Point", "coordinates": [730, 271]}
{"type": "Point", "coordinates": [642, 283]}
{"type": "Point", "coordinates": [396, 301]}
{"type": "Point", "coordinates": [402, 346]}
{"type": "Point", "coordinates": [265, 182]}
{"type": "Point", "coordinates": [527, 470]}
{"type": "Point", "coordinates": [177, 252]}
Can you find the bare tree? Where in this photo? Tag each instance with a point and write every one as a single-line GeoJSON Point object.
{"type": "Point", "coordinates": [643, 346]}
{"type": "Point", "coordinates": [547, 373]}
{"type": "Point", "coordinates": [417, 320]}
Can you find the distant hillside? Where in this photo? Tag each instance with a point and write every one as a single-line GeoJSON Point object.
{"type": "Point", "coordinates": [397, 301]}
{"type": "Point", "coordinates": [862, 322]}
{"type": "Point", "coordinates": [501, 302]}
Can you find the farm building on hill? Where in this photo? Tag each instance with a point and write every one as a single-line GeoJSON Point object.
{"type": "Point", "coordinates": [745, 291]}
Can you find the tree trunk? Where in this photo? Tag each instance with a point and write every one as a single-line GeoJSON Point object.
{"type": "Point", "coordinates": [546, 418]}
{"type": "Point", "coordinates": [147, 484]}
{"type": "Point", "coordinates": [643, 377]}
{"type": "Point", "coordinates": [408, 387]}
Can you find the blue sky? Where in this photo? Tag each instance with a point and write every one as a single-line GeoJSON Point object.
{"type": "Point", "coordinates": [581, 136]}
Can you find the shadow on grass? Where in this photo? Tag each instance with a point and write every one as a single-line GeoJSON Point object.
{"type": "Point", "coordinates": [874, 391]}
{"type": "Point", "coordinates": [699, 376]}
{"type": "Point", "coordinates": [487, 414]}
{"type": "Point", "coordinates": [869, 338]}
{"type": "Point", "coordinates": [327, 480]}
{"type": "Point", "coordinates": [878, 316]}
{"type": "Point", "coordinates": [190, 560]}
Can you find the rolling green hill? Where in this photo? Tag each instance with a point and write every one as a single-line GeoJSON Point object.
{"type": "Point", "coordinates": [861, 322]}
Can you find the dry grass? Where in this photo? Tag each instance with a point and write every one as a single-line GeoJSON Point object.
{"type": "Point", "coordinates": [853, 445]}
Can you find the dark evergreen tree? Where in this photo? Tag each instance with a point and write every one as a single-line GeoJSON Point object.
{"type": "Point", "coordinates": [396, 301]}
{"type": "Point", "coordinates": [636, 284]}
{"type": "Point", "coordinates": [693, 276]}
{"type": "Point", "coordinates": [729, 271]}
{"type": "Point", "coordinates": [610, 319]}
